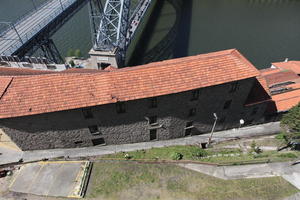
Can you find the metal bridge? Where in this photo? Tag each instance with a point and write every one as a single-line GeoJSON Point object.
{"type": "Point", "coordinates": [34, 30]}
{"type": "Point", "coordinates": [113, 27]}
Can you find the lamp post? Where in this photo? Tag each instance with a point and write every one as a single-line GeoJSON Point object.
{"type": "Point", "coordinates": [242, 122]}
{"type": "Point", "coordinates": [213, 128]}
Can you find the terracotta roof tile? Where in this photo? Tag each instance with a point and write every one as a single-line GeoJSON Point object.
{"type": "Point", "coordinates": [286, 101]}
{"type": "Point", "coordinates": [280, 77]}
{"type": "Point", "coordinates": [11, 71]}
{"type": "Point", "coordinates": [4, 83]}
{"type": "Point", "coordinates": [267, 71]}
{"type": "Point", "coordinates": [289, 65]}
{"type": "Point", "coordinates": [28, 95]}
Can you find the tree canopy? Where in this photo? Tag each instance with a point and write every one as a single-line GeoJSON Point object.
{"type": "Point", "coordinates": [291, 120]}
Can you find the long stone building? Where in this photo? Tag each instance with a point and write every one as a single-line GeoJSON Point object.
{"type": "Point", "coordinates": [157, 101]}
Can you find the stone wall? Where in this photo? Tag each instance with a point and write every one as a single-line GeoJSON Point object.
{"type": "Point", "coordinates": [68, 129]}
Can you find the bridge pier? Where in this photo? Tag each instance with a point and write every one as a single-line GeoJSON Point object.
{"type": "Point", "coordinates": [103, 59]}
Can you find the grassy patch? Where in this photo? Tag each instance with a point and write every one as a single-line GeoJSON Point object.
{"type": "Point", "coordinates": [153, 181]}
{"type": "Point", "coordinates": [194, 153]}
{"type": "Point", "coordinates": [190, 152]}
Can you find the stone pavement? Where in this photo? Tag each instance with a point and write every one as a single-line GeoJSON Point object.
{"type": "Point", "coordinates": [286, 170]}
{"type": "Point", "coordinates": [47, 178]}
{"type": "Point", "coordinates": [9, 156]}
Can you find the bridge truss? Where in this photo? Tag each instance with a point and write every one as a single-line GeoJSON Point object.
{"type": "Point", "coordinates": [114, 24]}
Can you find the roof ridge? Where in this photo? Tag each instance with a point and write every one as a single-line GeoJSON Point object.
{"type": "Point", "coordinates": [6, 88]}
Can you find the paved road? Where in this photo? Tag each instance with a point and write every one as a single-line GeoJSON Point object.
{"type": "Point", "coordinates": [259, 130]}
{"type": "Point", "coordinates": [289, 172]}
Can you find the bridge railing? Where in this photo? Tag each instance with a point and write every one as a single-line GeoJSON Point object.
{"type": "Point", "coordinates": [29, 32]}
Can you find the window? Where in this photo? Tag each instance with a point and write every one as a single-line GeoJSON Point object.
{"type": "Point", "coordinates": [120, 107]}
{"type": "Point", "coordinates": [188, 128]}
{"type": "Point", "coordinates": [94, 130]}
{"type": "Point", "coordinates": [103, 65]}
{"type": "Point", "coordinates": [153, 134]}
{"type": "Point", "coordinates": [78, 142]}
{"type": "Point", "coordinates": [227, 104]}
{"type": "Point", "coordinates": [87, 113]}
{"type": "Point", "coordinates": [195, 95]}
{"type": "Point", "coordinates": [192, 112]}
{"type": "Point", "coordinates": [153, 102]}
{"type": "Point", "coordinates": [153, 120]}
{"type": "Point", "coordinates": [98, 141]}
{"type": "Point", "coordinates": [234, 87]}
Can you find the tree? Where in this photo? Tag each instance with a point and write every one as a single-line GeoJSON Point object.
{"type": "Point", "coordinates": [77, 53]}
{"type": "Point", "coordinates": [70, 53]}
{"type": "Point", "coordinates": [290, 123]}
{"type": "Point", "coordinates": [71, 62]}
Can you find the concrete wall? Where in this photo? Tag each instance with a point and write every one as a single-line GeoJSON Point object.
{"type": "Point", "coordinates": [68, 129]}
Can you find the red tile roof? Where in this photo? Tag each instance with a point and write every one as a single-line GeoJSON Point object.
{"type": "Point", "coordinates": [286, 101]}
{"type": "Point", "coordinates": [28, 95]}
{"type": "Point", "coordinates": [4, 83]}
{"type": "Point", "coordinates": [280, 77]}
{"type": "Point", "coordinates": [289, 65]}
{"type": "Point", "coordinates": [11, 71]}
{"type": "Point", "coordinates": [267, 71]}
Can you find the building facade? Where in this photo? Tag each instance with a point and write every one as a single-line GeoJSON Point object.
{"type": "Point", "coordinates": [141, 113]}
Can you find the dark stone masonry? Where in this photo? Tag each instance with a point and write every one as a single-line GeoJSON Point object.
{"type": "Point", "coordinates": [158, 118]}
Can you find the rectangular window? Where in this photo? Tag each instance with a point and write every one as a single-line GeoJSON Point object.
{"type": "Point", "coordinates": [153, 102]}
{"type": "Point", "coordinates": [78, 142]}
{"type": "Point", "coordinates": [153, 134]}
{"type": "Point", "coordinates": [192, 112]}
{"type": "Point", "coordinates": [98, 141]}
{"type": "Point", "coordinates": [188, 128]}
{"type": "Point", "coordinates": [87, 113]}
{"type": "Point", "coordinates": [94, 130]}
{"type": "Point", "coordinates": [121, 107]}
{"type": "Point", "coordinates": [233, 87]}
{"type": "Point", "coordinates": [153, 120]}
{"type": "Point", "coordinates": [195, 95]}
{"type": "Point", "coordinates": [227, 104]}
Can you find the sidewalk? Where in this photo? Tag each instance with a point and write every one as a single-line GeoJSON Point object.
{"type": "Point", "coordinates": [286, 170]}
{"type": "Point", "coordinates": [9, 156]}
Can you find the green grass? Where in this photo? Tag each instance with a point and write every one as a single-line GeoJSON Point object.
{"type": "Point", "coordinates": [126, 181]}
{"type": "Point", "coordinates": [189, 153]}
{"type": "Point", "coordinates": [165, 153]}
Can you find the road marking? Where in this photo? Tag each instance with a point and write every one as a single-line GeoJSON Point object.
{"type": "Point", "coordinates": [15, 176]}
{"type": "Point", "coordinates": [51, 185]}
{"type": "Point", "coordinates": [35, 177]}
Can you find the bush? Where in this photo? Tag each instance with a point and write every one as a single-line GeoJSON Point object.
{"type": "Point", "coordinates": [281, 136]}
{"type": "Point", "coordinates": [176, 156]}
{"type": "Point", "coordinates": [77, 53]}
{"type": "Point", "coordinates": [71, 62]}
{"type": "Point", "coordinates": [290, 122]}
{"type": "Point", "coordinates": [127, 156]}
{"type": "Point", "coordinates": [255, 148]}
{"type": "Point", "coordinates": [70, 53]}
{"type": "Point", "coordinates": [287, 155]}
{"type": "Point", "coordinates": [199, 153]}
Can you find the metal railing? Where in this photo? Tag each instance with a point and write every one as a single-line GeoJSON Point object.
{"type": "Point", "coordinates": [56, 7]}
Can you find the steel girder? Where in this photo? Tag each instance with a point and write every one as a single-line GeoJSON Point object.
{"type": "Point", "coordinates": [112, 31]}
